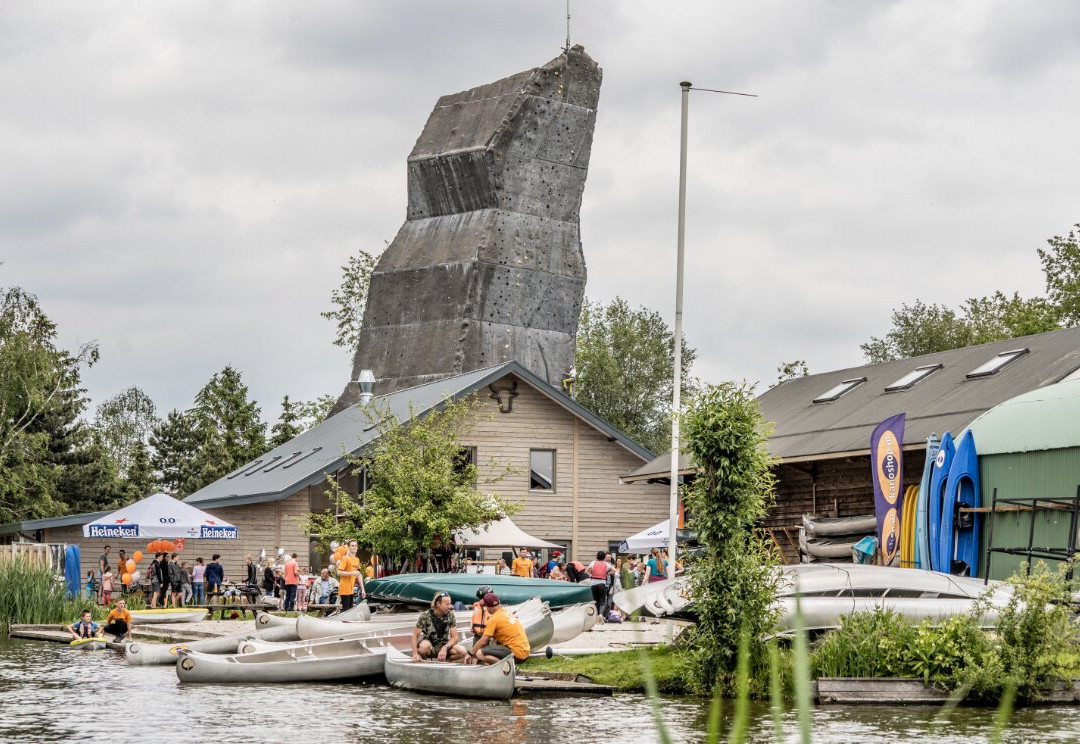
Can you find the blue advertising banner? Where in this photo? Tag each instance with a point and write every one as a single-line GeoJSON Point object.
{"type": "Point", "coordinates": [887, 461]}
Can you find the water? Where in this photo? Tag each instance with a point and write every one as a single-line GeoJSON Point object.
{"type": "Point", "coordinates": [49, 693]}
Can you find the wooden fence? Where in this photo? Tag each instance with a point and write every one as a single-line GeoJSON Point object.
{"type": "Point", "coordinates": [50, 555]}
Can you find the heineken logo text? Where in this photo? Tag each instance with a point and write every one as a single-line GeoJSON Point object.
{"type": "Point", "coordinates": [217, 533]}
{"type": "Point", "coordinates": [114, 530]}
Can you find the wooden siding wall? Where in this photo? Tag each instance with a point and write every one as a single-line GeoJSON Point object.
{"type": "Point", "coordinates": [835, 488]}
{"type": "Point", "coordinates": [260, 526]}
{"type": "Point", "coordinates": [607, 510]}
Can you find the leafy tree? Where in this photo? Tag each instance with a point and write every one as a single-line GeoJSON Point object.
{"type": "Point", "coordinates": [625, 365]}
{"type": "Point", "coordinates": [791, 370]}
{"type": "Point", "coordinates": [175, 442]}
{"type": "Point", "coordinates": [350, 299]}
{"type": "Point", "coordinates": [288, 425]}
{"type": "Point", "coordinates": [123, 424]}
{"type": "Point", "coordinates": [228, 427]}
{"type": "Point", "coordinates": [734, 581]}
{"type": "Point", "coordinates": [40, 401]}
{"type": "Point", "coordinates": [315, 411]}
{"type": "Point", "coordinates": [139, 482]}
{"type": "Point", "coordinates": [420, 490]}
{"type": "Point", "coordinates": [1061, 266]}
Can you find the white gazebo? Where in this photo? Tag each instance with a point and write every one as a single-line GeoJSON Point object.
{"type": "Point", "coordinates": [160, 516]}
{"type": "Point", "coordinates": [502, 533]}
{"type": "Point", "coordinates": [653, 537]}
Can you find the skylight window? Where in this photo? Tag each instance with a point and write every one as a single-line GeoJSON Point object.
{"type": "Point", "coordinates": [995, 364]}
{"type": "Point", "coordinates": [842, 389]}
{"type": "Point", "coordinates": [304, 457]}
{"type": "Point", "coordinates": [288, 459]}
{"type": "Point", "coordinates": [913, 378]}
{"type": "Point", "coordinates": [251, 468]}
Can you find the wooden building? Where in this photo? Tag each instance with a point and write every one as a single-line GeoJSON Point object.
{"type": "Point", "coordinates": [823, 422]}
{"type": "Point", "coordinates": [564, 465]}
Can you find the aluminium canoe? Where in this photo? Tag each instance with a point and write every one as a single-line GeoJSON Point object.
{"type": "Point", "coordinates": [827, 547]}
{"type": "Point", "coordinates": [835, 526]}
{"type": "Point", "coordinates": [846, 579]}
{"type": "Point", "coordinates": [89, 644]}
{"type": "Point", "coordinates": [823, 613]}
{"type": "Point", "coordinates": [494, 682]}
{"type": "Point", "coordinates": [345, 659]}
{"type": "Point", "coordinates": [939, 481]}
{"type": "Point", "coordinates": [150, 654]}
{"type": "Point", "coordinates": [649, 597]}
{"type": "Point", "coordinates": [178, 615]}
{"type": "Point", "coordinates": [420, 588]}
{"type": "Point", "coordinates": [570, 622]}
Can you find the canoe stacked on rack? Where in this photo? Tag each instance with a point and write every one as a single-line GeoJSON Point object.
{"type": "Point", "coordinates": [832, 538]}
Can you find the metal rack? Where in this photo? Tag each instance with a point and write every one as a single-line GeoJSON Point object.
{"type": "Point", "coordinates": [1032, 505]}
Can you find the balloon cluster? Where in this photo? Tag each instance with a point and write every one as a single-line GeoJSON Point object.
{"type": "Point", "coordinates": [163, 546]}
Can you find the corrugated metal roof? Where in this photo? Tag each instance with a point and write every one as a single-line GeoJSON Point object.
{"type": "Point", "coordinates": [944, 401]}
{"type": "Point", "coordinates": [307, 458]}
{"type": "Point", "coordinates": [1044, 419]}
{"type": "Point", "coordinates": [33, 525]}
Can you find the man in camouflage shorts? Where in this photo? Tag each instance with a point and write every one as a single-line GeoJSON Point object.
{"type": "Point", "coordinates": [436, 635]}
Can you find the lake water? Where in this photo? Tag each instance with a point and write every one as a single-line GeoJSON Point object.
{"type": "Point", "coordinates": [49, 693]}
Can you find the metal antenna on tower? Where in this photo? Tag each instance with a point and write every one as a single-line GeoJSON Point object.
{"type": "Point", "coordinates": [567, 48]}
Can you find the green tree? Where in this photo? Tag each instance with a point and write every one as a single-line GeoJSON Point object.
{"type": "Point", "coordinates": [1061, 266]}
{"type": "Point", "coordinates": [420, 489]}
{"type": "Point", "coordinates": [123, 424]}
{"type": "Point", "coordinates": [625, 366]}
{"type": "Point", "coordinates": [229, 429]}
{"type": "Point", "coordinates": [734, 582]}
{"type": "Point", "coordinates": [350, 299]}
{"type": "Point", "coordinates": [40, 401]}
{"type": "Point", "coordinates": [175, 443]}
{"type": "Point", "coordinates": [315, 411]}
{"type": "Point", "coordinates": [139, 482]}
{"type": "Point", "coordinates": [289, 424]}
{"type": "Point", "coordinates": [790, 370]}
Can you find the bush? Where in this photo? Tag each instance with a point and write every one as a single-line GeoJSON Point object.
{"type": "Point", "coordinates": [867, 644]}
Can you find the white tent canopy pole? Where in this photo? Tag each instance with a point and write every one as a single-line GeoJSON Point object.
{"type": "Point", "coordinates": [160, 515]}
{"type": "Point", "coordinates": [653, 537]}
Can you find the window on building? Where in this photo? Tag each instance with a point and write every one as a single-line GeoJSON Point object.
{"type": "Point", "coordinates": [995, 365]}
{"type": "Point", "coordinates": [542, 470]}
{"type": "Point", "coordinates": [842, 389]}
{"type": "Point", "coordinates": [913, 378]}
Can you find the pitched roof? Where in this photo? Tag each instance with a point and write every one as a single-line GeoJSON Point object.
{"type": "Point", "coordinates": [945, 400]}
{"type": "Point", "coordinates": [307, 458]}
{"type": "Point", "coordinates": [1043, 419]}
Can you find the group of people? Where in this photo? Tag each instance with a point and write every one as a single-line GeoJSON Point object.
{"type": "Point", "coordinates": [496, 632]}
{"type": "Point", "coordinates": [117, 624]}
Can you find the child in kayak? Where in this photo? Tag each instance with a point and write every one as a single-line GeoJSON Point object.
{"type": "Point", "coordinates": [84, 627]}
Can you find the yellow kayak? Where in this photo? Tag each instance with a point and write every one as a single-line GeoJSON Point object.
{"type": "Point", "coordinates": [89, 644]}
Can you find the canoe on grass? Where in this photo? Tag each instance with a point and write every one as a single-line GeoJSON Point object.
{"type": "Point", "coordinates": [832, 526]}
{"type": "Point", "coordinates": [570, 622]}
{"type": "Point", "coordinates": [89, 644]}
{"type": "Point", "coordinates": [420, 588]}
{"type": "Point", "coordinates": [822, 613]}
{"type": "Point", "coordinates": [495, 682]}
{"type": "Point", "coordinates": [150, 654]}
{"type": "Point", "coordinates": [347, 659]}
{"type": "Point", "coordinates": [177, 615]}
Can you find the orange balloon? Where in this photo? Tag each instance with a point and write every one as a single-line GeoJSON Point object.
{"type": "Point", "coordinates": [169, 546]}
{"type": "Point", "coordinates": [150, 546]}
{"type": "Point", "coordinates": [137, 556]}
{"type": "Point", "coordinates": [130, 566]}
{"type": "Point", "coordinates": [126, 578]}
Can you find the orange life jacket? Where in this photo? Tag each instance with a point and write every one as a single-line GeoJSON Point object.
{"type": "Point", "coordinates": [480, 617]}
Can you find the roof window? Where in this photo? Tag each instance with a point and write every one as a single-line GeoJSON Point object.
{"type": "Point", "coordinates": [913, 378]}
{"type": "Point", "coordinates": [995, 364]}
{"type": "Point", "coordinates": [288, 459]}
{"type": "Point", "coordinates": [251, 468]}
{"type": "Point", "coordinates": [842, 389]}
{"type": "Point", "coordinates": [242, 468]}
{"type": "Point", "coordinates": [306, 456]}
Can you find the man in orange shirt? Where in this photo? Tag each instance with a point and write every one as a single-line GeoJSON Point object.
{"type": "Point", "coordinates": [118, 621]}
{"type": "Point", "coordinates": [292, 581]}
{"type": "Point", "coordinates": [508, 634]}
{"type": "Point", "coordinates": [348, 570]}
{"type": "Point", "coordinates": [522, 566]}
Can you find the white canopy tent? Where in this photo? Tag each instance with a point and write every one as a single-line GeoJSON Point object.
{"type": "Point", "coordinates": [653, 537]}
{"type": "Point", "coordinates": [502, 534]}
{"type": "Point", "coordinates": [160, 515]}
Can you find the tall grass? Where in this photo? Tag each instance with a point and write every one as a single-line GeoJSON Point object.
{"type": "Point", "coordinates": [30, 594]}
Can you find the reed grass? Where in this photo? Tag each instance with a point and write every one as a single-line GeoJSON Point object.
{"type": "Point", "coordinates": [31, 594]}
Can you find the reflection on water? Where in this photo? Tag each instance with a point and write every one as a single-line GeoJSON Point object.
{"type": "Point", "coordinates": [49, 693]}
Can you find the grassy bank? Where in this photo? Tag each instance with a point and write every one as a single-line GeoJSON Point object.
{"type": "Point", "coordinates": [622, 670]}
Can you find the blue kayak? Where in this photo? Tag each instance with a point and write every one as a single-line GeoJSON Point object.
{"type": "Point", "coordinates": [922, 513]}
{"type": "Point", "coordinates": [962, 492]}
{"type": "Point", "coordinates": [939, 479]}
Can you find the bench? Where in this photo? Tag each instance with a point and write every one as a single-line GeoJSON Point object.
{"type": "Point", "coordinates": [225, 609]}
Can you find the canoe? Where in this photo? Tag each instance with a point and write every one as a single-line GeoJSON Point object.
{"type": "Point", "coordinates": [150, 654]}
{"type": "Point", "coordinates": [570, 622]}
{"type": "Point", "coordinates": [827, 547]}
{"type": "Point", "coordinates": [823, 613]}
{"type": "Point", "coordinates": [962, 492]}
{"type": "Point", "coordinates": [495, 682]}
{"type": "Point", "coordinates": [345, 659]}
{"type": "Point", "coordinates": [831, 580]}
{"type": "Point", "coordinates": [922, 536]}
{"type": "Point", "coordinates": [179, 615]}
{"type": "Point", "coordinates": [939, 480]}
{"type": "Point", "coordinates": [356, 612]}
{"type": "Point", "coordinates": [833, 526]}
{"type": "Point", "coordinates": [265, 620]}
{"type": "Point", "coordinates": [89, 644]}
{"type": "Point", "coordinates": [644, 597]}
{"type": "Point", "coordinates": [420, 588]}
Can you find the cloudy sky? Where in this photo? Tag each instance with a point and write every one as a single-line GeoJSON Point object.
{"type": "Point", "coordinates": [181, 181]}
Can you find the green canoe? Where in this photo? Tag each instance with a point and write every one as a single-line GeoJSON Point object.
{"type": "Point", "coordinates": [420, 588]}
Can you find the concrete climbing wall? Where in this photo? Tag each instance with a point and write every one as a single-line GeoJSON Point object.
{"type": "Point", "coordinates": [488, 265]}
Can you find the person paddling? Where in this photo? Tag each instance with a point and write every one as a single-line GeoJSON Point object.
{"type": "Point", "coordinates": [84, 627]}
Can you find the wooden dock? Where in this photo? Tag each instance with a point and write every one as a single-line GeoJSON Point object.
{"type": "Point", "coordinates": [907, 691]}
{"type": "Point", "coordinates": [56, 634]}
{"type": "Point", "coordinates": [558, 683]}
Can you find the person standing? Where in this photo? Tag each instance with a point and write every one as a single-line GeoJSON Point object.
{"type": "Point", "coordinates": [214, 576]}
{"type": "Point", "coordinates": [348, 570]}
{"type": "Point", "coordinates": [176, 579]}
{"type": "Point", "coordinates": [198, 588]}
{"type": "Point", "coordinates": [107, 586]}
{"type": "Point", "coordinates": [103, 566]}
{"type": "Point", "coordinates": [292, 581]}
{"type": "Point", "coordinates": [268, 578]}
{"type": "Point", "coordinates": [185, 584]}
{"type": "Point", "coordinates": [118, 622]}
{"type": "Point", "coordinates": [657, 566]}
{"type": "Point", "coordinates": [522, 566]}
{"type": "Point", "coordinates": [121, 567]}
{"type": "Point", "coordinates": [251, 571]}
{"type": "Point", "coordinates": [599, 571]}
